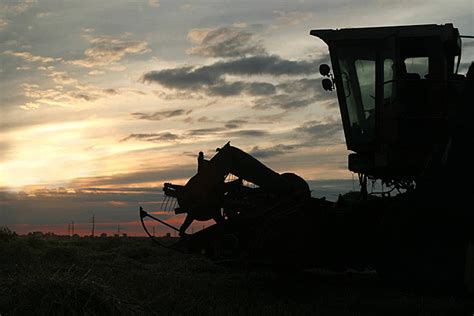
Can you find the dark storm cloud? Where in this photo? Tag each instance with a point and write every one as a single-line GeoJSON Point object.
{"type": "Point", "coordinates": [294, 94]}
{"type": "Point", "coordinates": [232, 124]}
{"type": "Point", "coordinates": [153, 137]}
{"type": "Point", "coordinates": [284, 101]}
{"type": "Point", "coordinates": [110, 91]}
{"type": "Point", "coordinates": [247, 133]}
{"type": "Point", "coordinates": [194, 78]}
{"type": "Point", "coordinates": [184, 78]}
{"type": "Point", "coordinates": [320, 133]}
{"type": "Point", "coordinates": [211, 80]}
{"type": "Point", "coordinates": [205, 131]}
{"type": "Point", "coordinates": [227, 89]}
{"type": "Point", "coordinates": [224, 42]}
{"type": "Point", "coordinates": [261, 88]}
{"type": "Point", "coordinates": [308, 135]}
{"type": "Point", "coordinates": [158, 116]}
{"type": "Point", "coordinates": [224, 132]}
{"type": "Point", "coordinates": [272, 151]}
{"type": "Point", "coordinates": [240, 87]}
{"type": "Point", "coordinates": [264, 65]}
{"type": "Point", "coordinates": [301, 86]}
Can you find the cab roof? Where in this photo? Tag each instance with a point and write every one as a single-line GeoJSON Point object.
{"type": "Point", "coordinates": [446, 32]}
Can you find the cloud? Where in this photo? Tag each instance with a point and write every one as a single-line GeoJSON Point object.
{"type": "Point", "coordinates": [3, 24]}
{"type": "Point", "coordinates": [327, 132]}
{"type": "Point", "coordinates": [17, 7]}
{"type": "Point", "coordinates": [223, 132]}
{"type": "Point", "coordinates": [218, 132]}
{"type": "Point", "coordinates": [35, 91]}
{"type": "Point", "coordinates": [232, 124]}
{"type": "Point", "coordinates": [96, 72]}
{"type": "Point", "coordinates": [137, 177]}
{"type": "Point", "coordinates": [30, 106]}
{"type": "Point", "coordinates": [227, 89]}
{"type": "Point", "coordinates": [154, 3]}
{"type": "Point", "coordinates": [184, 78]}
{"type": "Point", "coordinates": [294, 94]}
{"type": "Point", "coordinates": [177, 95]}
{"type": "Point", "coordinates": [211, 79]}
{"type": "Point", "coordinates": [264, 65]}
{"type": "Point", "coordinates": [82, 96]}
{"type": "Point", "coordinates": [224, 42]}
{"type": "Point", "coordinates": [304, 85]}
{"type": "Point", "coordinates": [272, 151]}
{"type": "Point", "coordinates": [62, 77]}
{"type": "Point", "coordinates": [239, 87]}
{"type": "Point", "coordinates": [205, 131]}
{"type": "Point", "coordinates": [292, 18]}
{"type": "Point", "coordinates": [186, 7]}
{"type": "Point", "coordinates": [105, 50]}
{"type": "Point", "coordinates": [110, 91]}
{"type": "Point", "coordinates": [41, 15]}
{"type": "Point", "coordinates": [158, 116]}
{"type": "Point", "coordinates": [58, 96]}
{"type": "Point", "coordinates": [284, 101]}
{"type": "Point", "coordinates": [247, 133]}
{"type": "Point", "coordinates": [261, 88]}
{"type": "Point", "coordinates": [196, 77]}
{"type": "Point", "coordinates": [153, 137]}
{"type": "Point", "coordinates": [31, 58]}
{"type": "Point", "coordinates": [227, 125]}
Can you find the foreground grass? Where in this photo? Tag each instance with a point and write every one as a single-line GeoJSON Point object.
{"type": "Point", "coordinates": [131, 276]}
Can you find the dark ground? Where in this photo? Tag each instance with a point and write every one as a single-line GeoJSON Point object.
{"type": "Point", "coordinates": [131, 276]}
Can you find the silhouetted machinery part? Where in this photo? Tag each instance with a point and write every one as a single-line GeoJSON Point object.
{"type": "Point", "coordinates": [406, 114]}
{"type": "Point", "coordinates": [206, 194]}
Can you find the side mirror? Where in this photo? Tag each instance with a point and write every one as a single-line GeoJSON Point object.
{"type": "Point", "coordinates": [328, 84]}
{"type": "Point", "coordinates": [324, 70]}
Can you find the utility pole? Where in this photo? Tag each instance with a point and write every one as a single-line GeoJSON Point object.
{"type": "Point", "coordinates": [153, 231]}
{"type": "Point", "coordinates": [69, 229]}
{"type": "Point", "coordinates": [72, 225]}
{"type": "Point", "coordinates": [118, 230]}
{"type": "Point", "coordinates": [93, 225]}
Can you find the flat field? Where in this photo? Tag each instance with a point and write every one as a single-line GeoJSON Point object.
{"type": "Point", "coordinates": [41, 275]}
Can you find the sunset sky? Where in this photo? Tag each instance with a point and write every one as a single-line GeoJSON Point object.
{"type": "Point", "coordinates": [101, 102]}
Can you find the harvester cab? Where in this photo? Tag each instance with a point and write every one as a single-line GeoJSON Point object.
{"type": "Point", "coordinates": [396, 87]}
